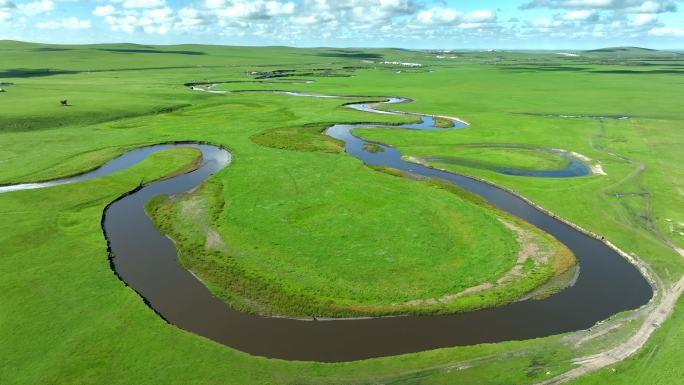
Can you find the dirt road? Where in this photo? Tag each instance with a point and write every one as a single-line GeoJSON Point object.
{"type": "Point", "coordinates": [658, 314]}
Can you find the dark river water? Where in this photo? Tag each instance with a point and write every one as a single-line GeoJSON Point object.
{"type": "Point", "coordinates": [147, 261]}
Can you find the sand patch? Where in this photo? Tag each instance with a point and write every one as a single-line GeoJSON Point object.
{"type": "Point", "coordinates": [597, 169]}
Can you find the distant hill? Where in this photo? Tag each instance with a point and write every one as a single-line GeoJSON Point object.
{"type": "Point", "coordinates": [18, 54]}
{"type": "Point", "coordinates": [622, 49]}
{"type": "Point", "coordinates": [631, 53]}
{"type": "Point", "coordinates": [25, 60]}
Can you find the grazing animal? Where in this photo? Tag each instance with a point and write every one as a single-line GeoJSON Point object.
{"type": "Point", "coordinates": [64, 102]}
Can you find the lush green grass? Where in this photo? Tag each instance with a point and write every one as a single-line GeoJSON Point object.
{"type": "Point", "coordinates": [496, 156]}
{"type": "Point", "coordinates": [312, 235]}
{"type": "Point", "coordinates": [278, 286]}
{"type": "Point", "coordinates": [637, 221]}
{"type": "Point", "coordinates": [302, 138]}
{"type": "Point", "coordinates": [65, 318]}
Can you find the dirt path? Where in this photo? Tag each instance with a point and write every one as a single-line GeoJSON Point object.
{"type": "Point", "coordinates": [657, 314]}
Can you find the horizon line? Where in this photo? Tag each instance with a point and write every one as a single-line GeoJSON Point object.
{"type": "Point", "coordinates": [349, 47]}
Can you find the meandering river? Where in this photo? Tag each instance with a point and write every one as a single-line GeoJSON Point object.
{"type": "Point", "coordinates": [146, 260]}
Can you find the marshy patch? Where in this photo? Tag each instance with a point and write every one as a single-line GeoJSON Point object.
{"type": "Point", "coordinates": [373, 148]}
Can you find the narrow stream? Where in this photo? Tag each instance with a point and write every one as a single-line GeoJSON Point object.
{"type": "Point", "coordinates": [147, 261]}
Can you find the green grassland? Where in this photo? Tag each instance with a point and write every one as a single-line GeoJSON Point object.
{"type": "Point", "coordinates": [65, 318]}
{"type": "Point", "coordinates": [330, 284]}
{"type": "Point", "coordinates": [495, 156]}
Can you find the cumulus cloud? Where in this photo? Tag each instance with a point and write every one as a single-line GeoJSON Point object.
{"type": "Point", "coordinates": [154, 20]}
{"type": "Point", "coordinates": [6, 7]}
{"type": "Point", "coordinates": [450, 16]}
{"type": "Point", "coordinates": [18, 12]}
{"type": "Point", "coordinates": [633, 6]}
{"type": "Point", "coordinates": [656, 7]}
{"type": "Point", "coordinates": [644, 19]}
{"type": "Point", "coordinates": [439, 15]}
{"type": "Point", "coordinates": [667, 31]}
{"type": "Point", "coordinates": [68, 23]}
{"type": "Point", "coordinates": [352, 13]}
{"type": "Point", "coordinates": [37, 7]}
{"type": "Point", "coordinates": [251, 10]}
{"type": "Point", "coordinates": [481, 16]}
{"type": "Point", "coordinates": [582, 15]}
{"type": "Point", "coordinates": [257, 17]}
{"type": "Point", "coordinates": [294, 21]}
{"type": "Point", "coordinates": [544, 23]}
{"type": "Point", "coordinates": [579, 19]}
{"type": "Point", "coordinates": [104, 10]}
{"type": "Point", "coordinates": [7, 4]}
{"type": "Point", "coordinates": [144, 4]}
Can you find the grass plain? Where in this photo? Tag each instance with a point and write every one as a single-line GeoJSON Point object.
{"type": "Point", "coordinates": [495, 156]}
{"type": "Point", "coordinates": [66, 319]}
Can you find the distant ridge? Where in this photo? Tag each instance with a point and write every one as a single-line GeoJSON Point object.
{"type": "Point", "coordinates": [622, 49]}
{"type": "Point", "coordinates": [631, 53]}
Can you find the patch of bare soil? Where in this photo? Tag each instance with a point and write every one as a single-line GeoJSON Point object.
{"type": "Point", "coordinates": [214, 241]}
{"type": "Point", "coordinates": [196, 210]}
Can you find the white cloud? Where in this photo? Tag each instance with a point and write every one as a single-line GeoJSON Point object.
{"type": "Point", "coordinates": [632, 6]}
{"type": "Point", "coordinates": [5, 16]}
{"type": "Point", "coordinates": [380, 21]}
{"type": "Point", "coordinates": [104, 10]}
{"type": "Point", "coordinates": [6, 8]}
{"type": "Point", "coordinates": [644, 19]}
{"type": "Point", "coordinates": [37, 7]}
{"type": "Point", "coordinates": [152, 20]}
{"type": "Point", "coordinates": [616, 20]}
{"type": "Point", "coordinates": [450, 16]}
{"type": "Point", "coordinates": [7, 4]}
{"type": "Point", "coordinates": [656, 7]}
{"type": "Point", "coordinates": [159, 14]}
{"type": "Point", "coordinates": [544, 22]}
{"type": "Point", "coordinates": [667, 31]}
{"type": "Point", "coordinates": [438, 15]}
{"type": "Point", "coordinates": [246, 9]}
{"type": "Point", "coordinates": [352, 14]}
{"type": "Point", "coordinates": [583, 15]}
{"type": "Point", "coordinates": [69, 23]}
{"type": "Point", "coordinates": [289, 21]}
{"type": "Point", "coordinates": [143, 4]}
{"type": "Point", "coordinates": [481, 16]}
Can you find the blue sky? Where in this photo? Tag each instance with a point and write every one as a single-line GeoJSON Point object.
{"type": "Point", "coordinates": [523, 24]}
